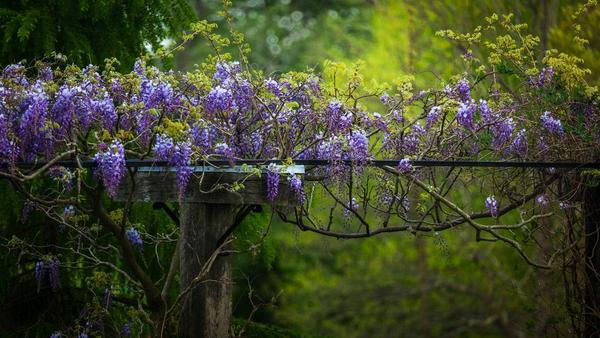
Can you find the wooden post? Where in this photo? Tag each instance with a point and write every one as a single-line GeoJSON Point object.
{"type": "Point", "coordinates": [591, 309]}
{"type": "Point", "coordinates": [206, 310]}
{"type": "Point", "coordinates": [204, 218]}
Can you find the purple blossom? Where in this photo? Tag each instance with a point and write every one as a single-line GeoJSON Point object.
{"type": "Point", "coordinates": [463, 89]}
{"type": "Point", "coordinates": [126, 330]}
{"type": "Point", "coordinates": [182, 159]}
{"type": "Point", "coordinates": [551, 124]}
{"type": "Point", "coordinates": [69, 211]}
{"type": "Point", "coordinates": [139, 67]}
{"type": "Point", "coordinates": [465, 113]}
{"type": "Point", "coordinates": [297, 189]}
{"type": "Point", "coordinates": [272, 182]}
{"type": "Point", "coordinates": [33, 131]}
{"type": "Point", "coordinates": [543, 200]}
{"type": "Point", "coordinates": [62, 175]}
{"type": "Point", "coordinates": [404, 166]}
{"type": "Point", "coordinates": [378, 121]}
{"type": "Point", "coordinates": [56, 335]}
{"type": "Point", "coordinates": [359, 146]}
{"type": "Point", "coordinates": [226, 70]}
{"type": "Point", "coordinates": [53, 268]}
{"type": "Point", "coordinates": [39, 273]}
{"type": "Point", "coordinates": [202, 137]}
{"type": "Point", "coordinates": [492, 206]}
{"type": "Point", "coordinates": [49, 268]}
{"type": "Point", "coordinates": [9, 150]}
{"type": "Point", "coordinates": [433, 116]}
{"type": "Point", "coordinates": [163, 148]}
{"type": "Point", "coordinates": [502, 132]}
{"type": "Point", "coordinates": [519, 145]}
{"type": "Point", "coordinates": [487, 115]}
{"type": "Point", "coordinates": [224, 150]}
{"type": "Point", "coordinates": [385, 98]}
{"type": "Point", "coordinates": [135, 239]}
{"type": "Point", "coordinates": [111, 166]}
{"type": "Point", "coordinates": [219, 99]}
{"type": "Point", "coordinates": [104, 110]}
{"type": "Point", "coordinates": [273, 87]}
{"type": "Point", "coordinates": [544, 77]}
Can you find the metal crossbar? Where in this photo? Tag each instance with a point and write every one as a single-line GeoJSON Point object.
{"type": "Point", "coordinates": [373, 163]}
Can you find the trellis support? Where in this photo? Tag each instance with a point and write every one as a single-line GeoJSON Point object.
{"type": "Point", "coordinates": [205, 214]}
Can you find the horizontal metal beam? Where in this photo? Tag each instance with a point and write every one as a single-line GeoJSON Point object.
{"type": "Point", "coordinates": [373, 163]}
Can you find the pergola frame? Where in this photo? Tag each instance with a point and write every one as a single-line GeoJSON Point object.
{"type": "Point", "coordinates": [206, 220]}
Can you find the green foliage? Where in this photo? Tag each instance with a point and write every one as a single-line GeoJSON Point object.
{"type": "Point", "coordinates": [88, 31]}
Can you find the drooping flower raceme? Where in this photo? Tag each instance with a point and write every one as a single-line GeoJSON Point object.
{"type": "Point", "coordinates": [182, 160]}
{"type": "Point", "coordinates": [110, 162]}
{"type": "Point", "coordinates": [404, 166]}
{"type": "Point", "coordinates": [49, 268]}
{"type": "Point", "coordinates": [551, 124]}
{"type": "Point", "coordinates": [543, 200]}
{"type": "Point", "coordinates": [433, 116]}
{"type": "Point", "coordinates": [519, 145]}
{"type": "Point", "coordinates": [463, 89]}
{"type": "Point", "coordinates": [272, 182]}
{"type": "Point", "coordinates": [492, 206]}
{"type": "Point", "coordinates": [297, 189]}
{"type": "Point", "coordinates": [135, 239]}
{"type": "Point", "coordinates": [466, 113]}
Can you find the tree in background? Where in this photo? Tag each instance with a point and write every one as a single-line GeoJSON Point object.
{"type": "Point", "coordinates": [88, 31]}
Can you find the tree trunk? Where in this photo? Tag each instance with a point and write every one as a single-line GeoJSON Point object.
{"type": "Point", "coordinates": [206, 311]}
{"type": "Point", "coordinates": [591, 309]}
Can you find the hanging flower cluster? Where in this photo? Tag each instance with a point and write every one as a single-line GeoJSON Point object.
{"type": "Point", "coordinates": [231, 113]}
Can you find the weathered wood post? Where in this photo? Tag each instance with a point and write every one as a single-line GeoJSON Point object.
{"type": "Point", "coordinates": [204, 218]}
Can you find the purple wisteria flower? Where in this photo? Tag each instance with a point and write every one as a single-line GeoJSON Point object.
{"type": "Point", "coordinates": [359, 146]}
{"type": "Point", "coordinates": [69, 211]}
{"type": "Point", "coordinates": [551, 124]}
{"type": "Point", "coordinates": [466, 113]}
{"type": "Point", "coordinates": [297, 189]}
{"type": "Point", "coordinates": [56, 334]}
{"type": "Point", "coordinates": [135, 239]}
{"type": "Point", "coordinates": [544, 77]}
{"type": "Point", "coordinates": [433, 116]}
{"type": "Point", "coordinates": [219, 99]}
{"type": "Point", "coordinates": [182, 160]}
{"type": "Point", "coordinates": [385, 98]}
{"type": "Point", "coordinates": [163, 148]}
{"type": "Point", "coordinates": [519, 145]}
{"type": "Point", "coordinates": [111, 166]}
{"type": "Point", "coordinates": [126, 330]}
{"type": "Point", "coordinates": [272, 182]}
{"type": "Point", "coordinates": [487, 116]}
{"type": "Point", "coordinates": [463, 90]}
{"type": "Point", "coordinates": [492, 206]}
{"type": "Point", "coordinates": [226, 70]}
{"type": "Point", "coordinates": [49, 268]}
{"type": "Point", "coordinates": [273, 87]}
{"type": "Point", "coordinates": [39, 273]}
{"type": "Point", "coordinates": [405, 166]}
{"type": "Point", "coordinates": [224, 150]}
{"type": "Point", "coordinates": [543, 200]}
{"type": "Point", "coordinates": [502, 132]}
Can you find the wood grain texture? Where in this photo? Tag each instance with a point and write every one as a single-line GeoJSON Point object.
{"type": "Point", "coordinates": [206, 311]}
{"type": "Point", "coordinates": [162, 187]}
